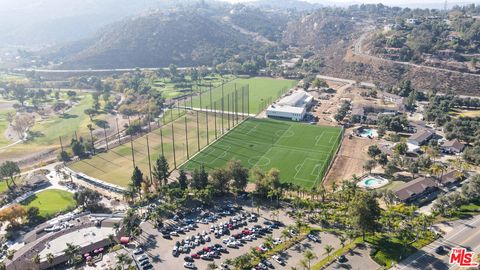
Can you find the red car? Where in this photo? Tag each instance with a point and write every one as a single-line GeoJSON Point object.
{"type": "Point", "coordinates": [230, 226]}
{"type": "Point", "coordinates": [246, 232]}
{"type": "Point", "coordinates": [207, 249]}
{"type": "Point", "coordinates": [195, 256]}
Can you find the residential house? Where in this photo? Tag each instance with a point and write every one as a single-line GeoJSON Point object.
{"type": "Point", "coordinates": [453, 147]}
{"type": "Point", "coordinates": [451, 178]}
{"type": "Point", "coordinates": [417, 190]}
{"type": "Point", "coordinates": [421, 137]}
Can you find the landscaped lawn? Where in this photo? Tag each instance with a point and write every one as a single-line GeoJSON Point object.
{"type": "Point", "coordinates": [48, 131]}
{"type": "Point", "coordinates": [172, 90]}
{"type": "Point", "coordinates": [3, 186]}
{"type": "Point", "coordinates": [465, 113]}
{"type": "Point", "coordinates": [51, 201]}
{"type": "Point", "coordinates": [3, 126]}
{"type": "Point", "coordinates": [262, 91]}
{"type": "Point", "coordinates": [390, 250]}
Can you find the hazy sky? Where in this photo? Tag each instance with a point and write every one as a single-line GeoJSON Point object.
{"type": "Point", "coordinates": [386, 2]}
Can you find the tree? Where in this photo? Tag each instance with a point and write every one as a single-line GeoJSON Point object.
{"type": "Point", "coordinates": [33, 215]}
{"type": "Point", "coordinates": [88, 198]}
{"type": "Point", "coordinates": [199, 178]}
{"type": "Point", "coordinates": [36, 259]}
{"type": "Point", "coordinates": [78, 148]}
{"type": "Point", "coordinates": [437, 169]}
{"type": "Point", "coordinates": [374, 151]}
{"type": "Point", "coordinates": [8, 171]}
{"type": "Point", "coordinates": [72, 252]}
{"type": "Point", "coordinates": [382, 159]}
{"type": "Point", "coordinates": [369, 165]}
{"type": "Point", "coordinates": [309, 256]}
{"type": "Point", "coordinates": [220, 178]}
{"type": "Point", "coordinates": [13, 215]}
{"type": "Point", "coordinates": [328, 250]}
{"type": "Point", "coordinates": [400, 148]}
{"type": "Point", "coordinates": [91, 113]}
{"type": "Point", "coordinates": [365, 212]}
{"type": "Point", "coordinates": [22, 123]}
{"type": "Point", "coordinates": [136, 180]}
{"type": "Point", "coordinates": [182, 179]}
{"type": "Point", "coordinates": [50, 258]}
{"type": "Point", "coordinates": [238, 173]}
{"type": "Point", "coordinates": [161, 170]}
{"type": "Point", "coordinates": [20, 93]}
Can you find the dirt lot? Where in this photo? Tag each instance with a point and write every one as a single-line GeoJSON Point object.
{"type": "Point", "coordinates": [350, 159]}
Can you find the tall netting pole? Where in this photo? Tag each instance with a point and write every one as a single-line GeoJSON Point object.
{"type": "Point", "coordinates": [206, 120]}
{"type": "Point", "coordinates": [186, 137]}
{"type": "Point", "coordinates": [228, 110]}
{"type": "Point", "coordinates": [198, 134]}
{"type": "Point", "coordinates": [173, 147]}
{"type": "Point", "coordinates": [215, 116]}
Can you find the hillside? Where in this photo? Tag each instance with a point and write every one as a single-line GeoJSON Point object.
{"type": "Point", "coordinates": [183, 38]}
{"type": "Point", "coordinates": [41, 23]}
{"type": "Point", "coordinates": [318, 30]}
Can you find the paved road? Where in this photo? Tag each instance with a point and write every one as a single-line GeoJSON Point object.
{"type": "Point", "coordinates": [465, 234]}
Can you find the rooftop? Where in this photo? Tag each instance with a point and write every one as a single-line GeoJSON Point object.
{"type": "Point", "coordinates": [81, 237]}
{"type": "Point", "coordinates": [416, 186]}
{"type": "Point", "coordinates": [422, 135]}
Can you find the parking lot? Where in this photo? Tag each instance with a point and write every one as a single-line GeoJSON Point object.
{"type": "Point", "coordinates": [160, 249]}
{"type": "Point", "coordinates": [294, 255]}
{"type": "Point", "coordinates": [357, 259]}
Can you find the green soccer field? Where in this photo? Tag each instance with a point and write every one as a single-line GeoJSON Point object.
{"type": "Point", "coordinates": [301, 152]}
{"type": "Point", "coordinates": [262, 92]}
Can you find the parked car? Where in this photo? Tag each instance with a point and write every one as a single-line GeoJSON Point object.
{"type": "Point", "coordinates": [189, 265]}
{"type": "Point", "coordinates": [138, 251]}
{"type": "Point", "coordinates": [142, 258]}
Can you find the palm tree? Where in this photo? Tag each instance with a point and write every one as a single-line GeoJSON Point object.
{"type": "Point", "coordinates": [36, 259]}
{"type": "Point", "coordinates": [71, 252]}
{"type": "Point", "coordinates": [121, 259]}
{"type": "Point", "coordinates": [328, 250]}
{"type": "Point", "coordinates": [309, 256]}
{"type": "Point", "coordinates": [304, 264]}
{"type": "Point", "coordinates": [50, 258]}
{"type": "Point", "coordinates": [342, 240]}
{"type": "Point", "coordinates": [111, 238]}
{"type": "Point", "coordinates": [2, 266]}
{"type": "Point", "coordinates": [268, 241]}
{"type": "Point", "coordinates": [285, 234]}
{"type": "Point", "coordinates": [437, 170]}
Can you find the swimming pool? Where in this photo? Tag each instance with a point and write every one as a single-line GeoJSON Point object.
{"type": "Point", "coordinates": [368, 132]}
{"type": "Point", "coordinates": [372, 182]}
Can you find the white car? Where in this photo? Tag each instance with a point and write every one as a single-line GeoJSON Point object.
{"type": "Point", "coordinates": [278, 259]}
{"type": "Point", "coordinates": [142, 258]}
{"type": "Point", "coordinates": [173, 233]}
{"type": "Point", "coordinates": [226, 240]}
{"type": "Point", "coordinates": [231, 245]}
{"type": "Point", "coordinates": [206, 238]}
{"type": "Point", "coordinates": [189, 265]}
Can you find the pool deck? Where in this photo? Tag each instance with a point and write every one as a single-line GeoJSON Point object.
{"type": "Point", "coordinates": [378, 182]}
